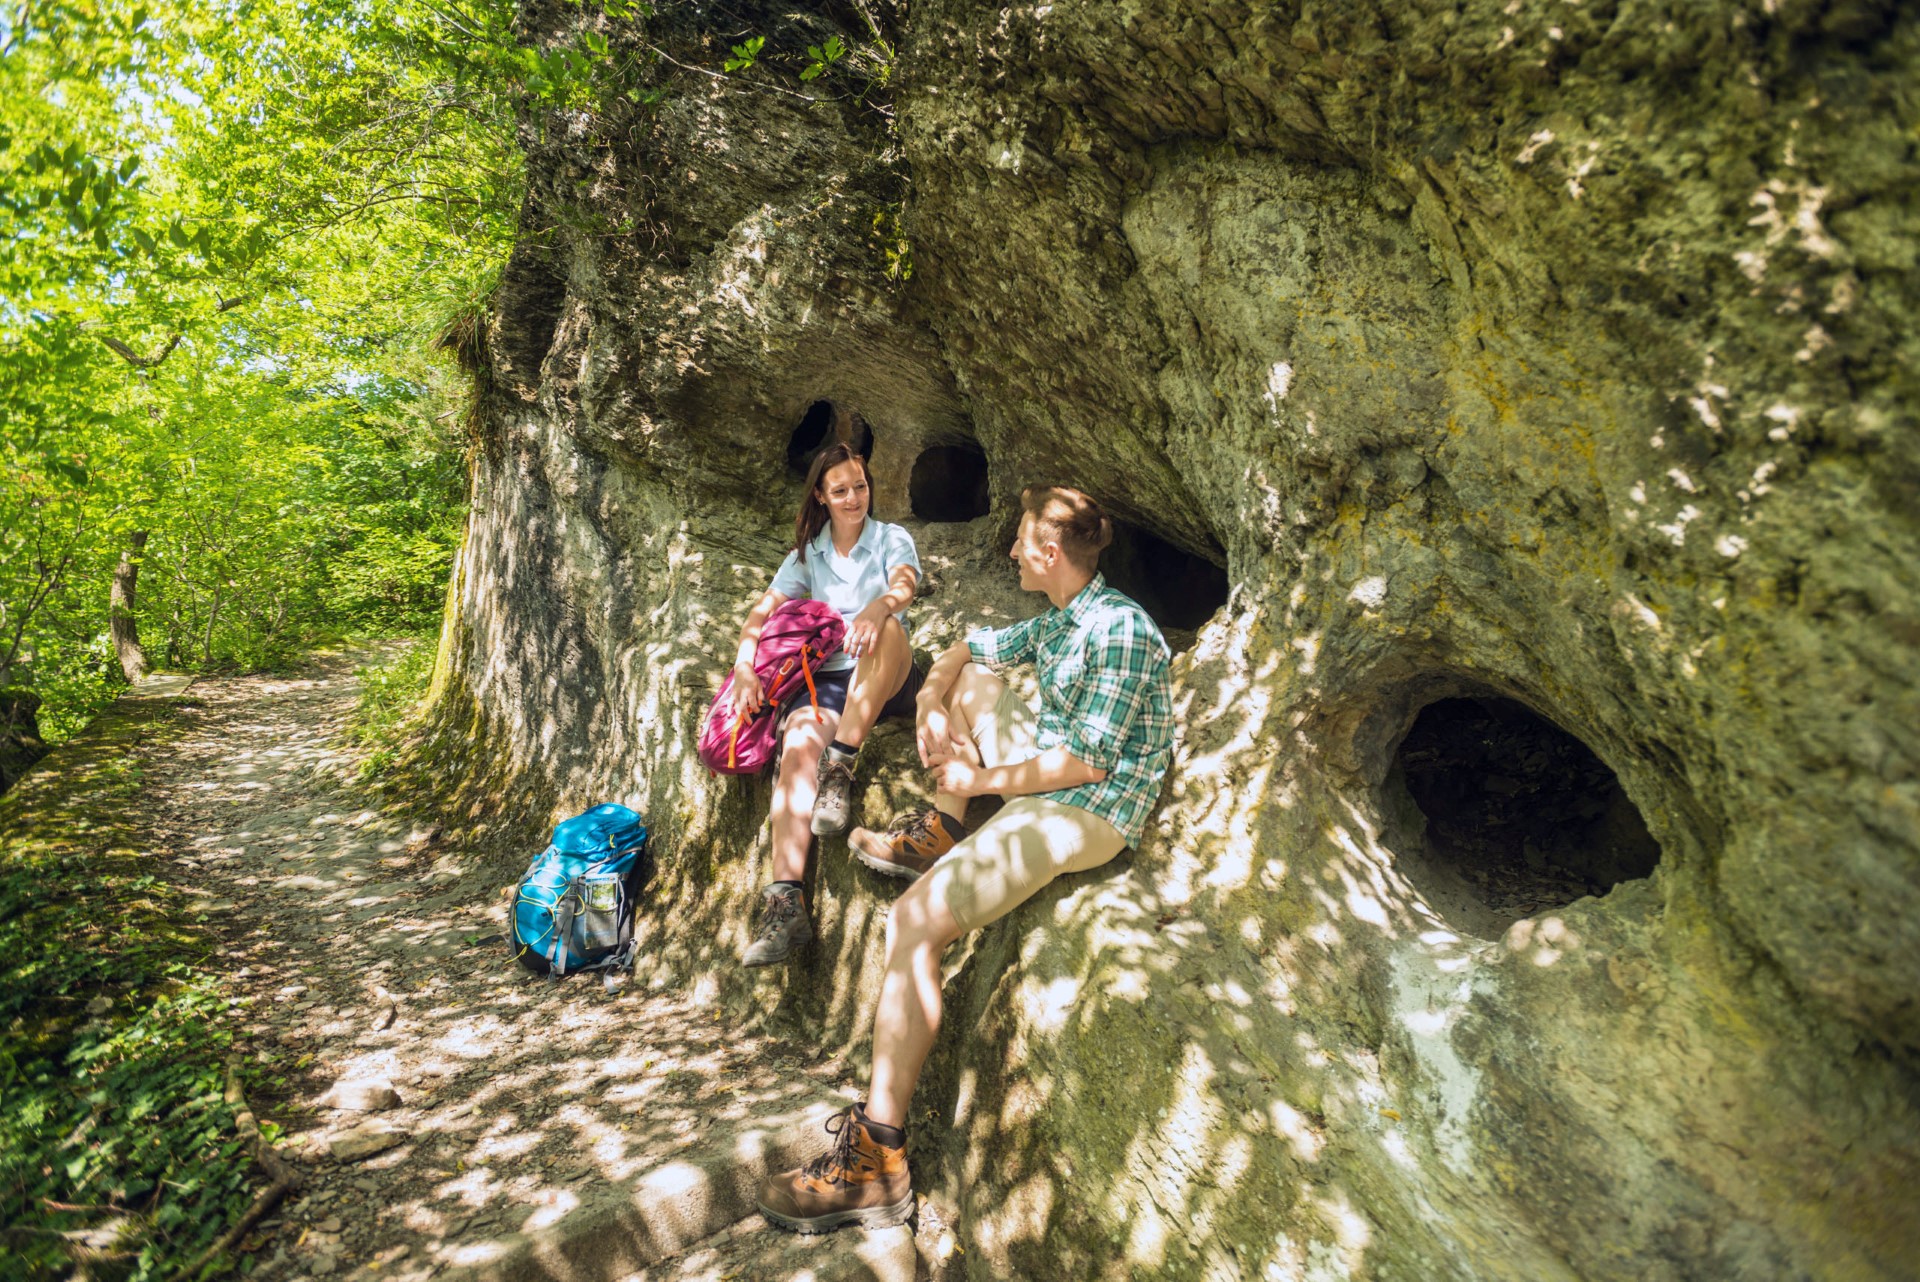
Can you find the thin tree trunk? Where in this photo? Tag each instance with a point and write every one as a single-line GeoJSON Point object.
{"type": "Point", "coordinates": [120, 621]}
{"type": "Point", "coordinates": [206, 649]}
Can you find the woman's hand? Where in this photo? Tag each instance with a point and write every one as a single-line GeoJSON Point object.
{"type": "Point", "coordinates": [747, 694]}
{"type": "Point", "coordinates": [863, 634]}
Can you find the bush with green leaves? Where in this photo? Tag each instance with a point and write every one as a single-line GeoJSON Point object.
{"type": "Point", "coordinates": [228, 238]}
{"type": "Point", "coordinates": [112, 1058]}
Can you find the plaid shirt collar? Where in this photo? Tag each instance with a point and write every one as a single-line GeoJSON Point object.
{"type": "Point", "coordinates": [1087, 599]}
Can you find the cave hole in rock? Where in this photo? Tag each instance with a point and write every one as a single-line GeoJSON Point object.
{"type": "Point", "coordinates": [1521, 817]}
{"type": "Point", "coordinates": [822, 425]}
{"type": "Point", "coordinates": [1179, 590]}
{"type": "Point", "coordinates": [949, 483]}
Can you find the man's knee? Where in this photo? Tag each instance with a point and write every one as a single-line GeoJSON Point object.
{"type": "Point", "coordinates": [975, 685]}
{"type": "Point", "coordinates": [918, 920]}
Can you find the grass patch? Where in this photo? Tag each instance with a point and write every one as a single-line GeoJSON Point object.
{"type": "Point", "coordinates": [112, 1124]}
{"type": "Point", "coordinates": [391, 694]}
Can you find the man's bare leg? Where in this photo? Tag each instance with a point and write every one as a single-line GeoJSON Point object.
{"type": "Point", "coordinates": [919, 928]}
{"type": "Point", "coordinates": [974, 693]}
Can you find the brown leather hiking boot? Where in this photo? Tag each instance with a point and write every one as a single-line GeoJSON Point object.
{"type": "Point", "coordinates": [911, 844]}
{"type": "Point", "coordinates": [857, 1181]}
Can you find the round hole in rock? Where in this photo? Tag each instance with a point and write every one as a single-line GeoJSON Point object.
{"type": "Point", "coordinates": [1179, 590]}
{"type": "Point", "coordinates": [1521, 817]}
{"type": "Point", "coordinates": [824, 423]}
{"type": "Point", "coordinates": [949, 483]}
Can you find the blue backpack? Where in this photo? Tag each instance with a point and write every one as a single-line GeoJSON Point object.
{"type": "Point", "coordinates": [574, 908]}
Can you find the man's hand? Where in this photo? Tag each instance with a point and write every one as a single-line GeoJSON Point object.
{"type": "Point", "coordinates": [863, 634]}
{"type": "Point", "coordinates": [934, 734]}
{"type": "Point", "coordinates": [747, 693]}
{"type": "Point", "coordinates": [958, 778]}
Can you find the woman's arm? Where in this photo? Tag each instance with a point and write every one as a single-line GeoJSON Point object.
{"type": "Point", "coordinates": [747, 693]}
{"type": "Point", "coordinates": [864, 633]}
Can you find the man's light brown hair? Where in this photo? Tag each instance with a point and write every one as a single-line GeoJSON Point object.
{"type": "Point", "coordinates": [1071, 519]}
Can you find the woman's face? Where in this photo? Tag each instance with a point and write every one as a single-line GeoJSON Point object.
{"type": "Point", "coordinates": [843, 488]}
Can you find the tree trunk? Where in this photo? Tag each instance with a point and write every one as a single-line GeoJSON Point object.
{"type": "Point", "coordinates": [120, 621]}
{"type": "Point", "coordinates": [206, 648]}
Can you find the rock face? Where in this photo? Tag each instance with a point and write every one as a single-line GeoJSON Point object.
{"type": "Point", "coordinates": [1511, 408]}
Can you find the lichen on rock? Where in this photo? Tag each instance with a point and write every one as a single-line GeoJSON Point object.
{"type": "Point", "coordinates": [1558, 358]}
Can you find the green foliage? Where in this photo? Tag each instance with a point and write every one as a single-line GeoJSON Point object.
{"type": "Point", "coordinates": [892, 242]}
{"type": "Point", "coordinates": [392, 693]}
{"type": "Point", "coordinates": [823, 56]}
{"type": "Point", "coordinates": [227, 237]}
{"type": "Point", "coordinates": [116, 1111]}
{"type": "Point", "coordinates": [745, 54]}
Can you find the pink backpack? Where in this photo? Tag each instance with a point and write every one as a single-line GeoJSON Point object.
{"type": "Point", "coordinates": [797, 639]}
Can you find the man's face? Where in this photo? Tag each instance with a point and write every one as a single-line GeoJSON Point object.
{"type": "Point", "coordinates": [1032, 555]}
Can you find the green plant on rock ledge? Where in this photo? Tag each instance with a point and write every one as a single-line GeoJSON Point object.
{"type": "Point", "coordinates": [745, 54]}
{"type": "Point", "coordinates": [892, 241]}
{"type": "Point", "coordinates": [391, 696]}
{"type": "Point", "coordinates": [824, 56]}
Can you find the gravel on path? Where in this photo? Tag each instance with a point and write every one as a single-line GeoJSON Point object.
{"type": "Point", "coordinates": [444, 1102]}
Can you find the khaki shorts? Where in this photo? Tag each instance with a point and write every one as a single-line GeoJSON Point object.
{"type": "Point", "coordinates": [1028, 843]}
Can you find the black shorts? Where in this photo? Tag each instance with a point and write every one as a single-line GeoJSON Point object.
{"type": "Point", "coordinates": [832, 687]}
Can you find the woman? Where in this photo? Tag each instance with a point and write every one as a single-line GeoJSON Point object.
{"type": "Point", "coordinates": [867, 571]}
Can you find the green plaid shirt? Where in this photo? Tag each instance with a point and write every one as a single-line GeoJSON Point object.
{"type": "Point", "coordinates": [1104, 693]}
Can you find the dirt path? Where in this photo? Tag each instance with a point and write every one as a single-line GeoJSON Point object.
{"type": "Point", "coordinates": [502, 1124]}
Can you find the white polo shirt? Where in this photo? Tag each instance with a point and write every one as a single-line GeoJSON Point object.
{"type": "Point", "coordinates": [847, 583]}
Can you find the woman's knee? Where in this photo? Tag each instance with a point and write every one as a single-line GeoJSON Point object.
{"type": "Point", "coordinates": [804, 738]}
{"type": "Point", "coordinates": [893, 651]}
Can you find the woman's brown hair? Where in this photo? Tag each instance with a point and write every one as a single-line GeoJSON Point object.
{"type": "Point", "coordinates": [813, 513]}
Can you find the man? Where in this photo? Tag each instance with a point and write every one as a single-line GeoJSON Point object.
{"type": "Point", "coordinates": [1079, 773]}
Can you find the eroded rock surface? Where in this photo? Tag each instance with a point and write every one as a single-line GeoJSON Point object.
{"type": "Point", "coordinates": [1549, 357]}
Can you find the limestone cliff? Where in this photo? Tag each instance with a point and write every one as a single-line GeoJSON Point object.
{"type": "Point", "coordinates": [1511, 406]}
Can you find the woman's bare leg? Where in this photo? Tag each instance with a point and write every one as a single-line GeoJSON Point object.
{"type": "Point", "coordinates": [877, 679]}
{"type": "Point", "coordinates": [793, 794]}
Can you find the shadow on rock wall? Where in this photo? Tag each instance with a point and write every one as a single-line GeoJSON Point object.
{"type": "Point", "coordinates": [1510, 409]}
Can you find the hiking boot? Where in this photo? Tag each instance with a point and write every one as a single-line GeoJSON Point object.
{"type": "Point", "coordinates": [783, 927]}
{"type": "Point", "coordinates": [909, 846]}
{"type": "Point", "coordinates": [860, 1180]}
{"type": "Point", "coordinates": [833, 808]}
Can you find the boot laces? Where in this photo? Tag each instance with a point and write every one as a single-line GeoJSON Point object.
{"type": "Point", "coordinates": [779, 909]}
{"type": "Point", "coordinates": [834, 1164]}
{"type": "Point", "coordinates": [915, 824]}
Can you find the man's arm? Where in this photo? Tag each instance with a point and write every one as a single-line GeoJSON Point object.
{"type": "Point", "coordinates": [941, 676]}
{"type": "Point", "coordinates": [1052, 770]}
{"type": "Point", "coordinates": [933, 733]}
{"type": "Point", "coordinates": [1101, 711]}
{"type": "Point", "coordinates": [989, 647]}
